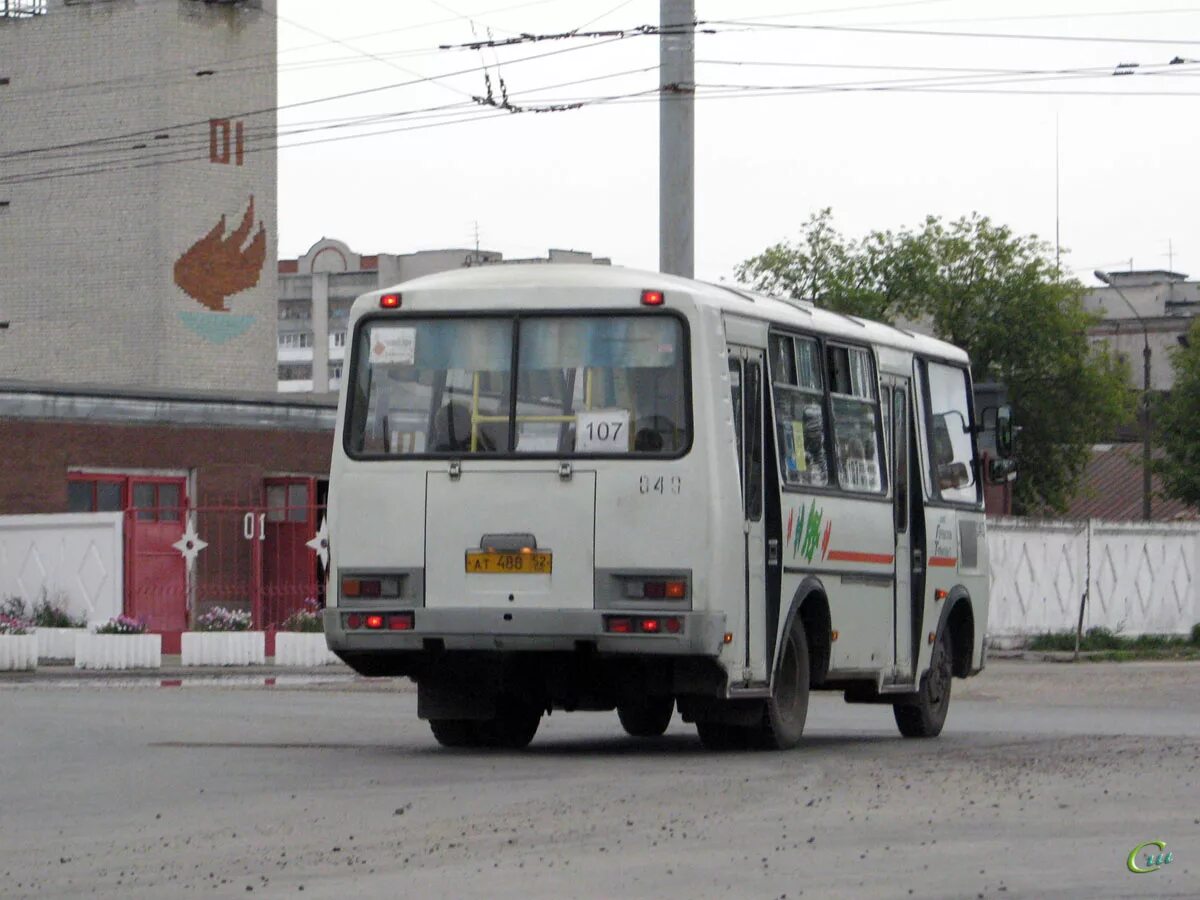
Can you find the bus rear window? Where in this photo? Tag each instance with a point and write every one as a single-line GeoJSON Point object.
{"type": "Point", "coordinates": [584, 386]}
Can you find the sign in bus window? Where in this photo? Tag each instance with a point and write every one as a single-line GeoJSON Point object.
{"type": "Point", "coordinates": [602, 431]}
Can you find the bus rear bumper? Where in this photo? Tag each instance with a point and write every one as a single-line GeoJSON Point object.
{"type": "Point", "coordinates": [500, 629]}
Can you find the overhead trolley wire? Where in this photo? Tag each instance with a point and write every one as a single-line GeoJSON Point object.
{"type": "Point", "coordinates": [172, 154]}
{"type": "Point", "coordinates": [922, 32]}
{"type": "Point", "coordinates": [362, 92]}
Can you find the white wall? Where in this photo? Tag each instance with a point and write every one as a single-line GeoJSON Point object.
{"type": "Point", "coordinates": [1141, 578]}
{"type": "Point", "coordinates": [77, 554]}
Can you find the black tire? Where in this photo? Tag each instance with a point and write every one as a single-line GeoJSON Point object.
{"type": "Point", "coordinates": [720, 737]}
{"type": "Point", "coordinates": [513, 727]}
{"type": "Point", "coordinates": [784, 714]}
{"type": "Point", "coordinates": [648, 718]}
{"type": "Point", "coordinates": [455, 732]}
{"type": "Point", "coordinates": [925, 716]}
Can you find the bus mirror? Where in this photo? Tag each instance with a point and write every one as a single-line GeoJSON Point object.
{"type": "Point", "coordinates": [1004, 431]}
{"type": "Point", "coordinates": [1002, 470]}
{"type": "Point", "coordinates": [998, 420]}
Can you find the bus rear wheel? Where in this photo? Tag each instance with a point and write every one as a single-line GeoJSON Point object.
{"type": "Point", "coordinates": [787, 708]}
{"type": "Point", "coordinates": [513, 727]}
{"type": "Point", "coordinates": [454, 732]}
{"type": "Point", "coordinates": [924, 716]}
{"type": "Point", "coordinates": [648, 717]}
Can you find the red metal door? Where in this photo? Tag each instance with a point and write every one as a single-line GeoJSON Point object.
{"type": "Point", "coordinates": [289, 564]}
{"type": "Point", "coordinates": [156, 570]}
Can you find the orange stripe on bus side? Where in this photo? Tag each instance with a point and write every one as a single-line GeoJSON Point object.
{"type": "Point", "coordinates": [948, 562]}
{"type": "Point", "coordinates": [882, 559]}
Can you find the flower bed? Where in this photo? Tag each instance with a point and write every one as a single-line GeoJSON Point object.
{"type": "Point", "coordinates": [57, 643]}
{"type": "Point", "coordinates": [120, 643]}
{"type": "Point", "coordinates": [224, 648]}
{"type": "Point", "coordinates": [18, 645]}
{"type": "Point", "coordinates": [301, 639]}
{"type": "Point", "coordinates": [222, 638]}
{"type": "Point", "coordinates": [297, 648]}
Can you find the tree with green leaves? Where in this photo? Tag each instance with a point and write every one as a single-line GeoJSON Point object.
{"type": "Point", "coordinates": [1177, 424]}
{"type": "Point", "coordinates": [999, 296]}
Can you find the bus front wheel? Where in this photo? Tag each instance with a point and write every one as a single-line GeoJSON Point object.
{"type": "Point", "coordinates": [648, 717]}
{"type": "Point", "coordinates": [924, 716]}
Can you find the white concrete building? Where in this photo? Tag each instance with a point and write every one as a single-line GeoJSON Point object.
{"type": "Point", "coordinates": [1166, 303]}
{"type": "Point", "coordinates": [317, 289]}
{"type": "Point", "coordinates": [138, 192]}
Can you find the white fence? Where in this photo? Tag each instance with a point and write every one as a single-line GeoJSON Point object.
{"type": "Point", "coordinates": [76, 556]}
{"type": "Point", "coordinates": [1140, 578]}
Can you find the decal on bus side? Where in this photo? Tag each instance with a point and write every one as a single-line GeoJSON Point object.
{"type": "Point", "coordinates": [806, 536]}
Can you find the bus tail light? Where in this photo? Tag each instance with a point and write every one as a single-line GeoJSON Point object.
{"type": "Point", "coordinates": [618, 624]}
{"type": "Point", "coordinates": [361, 587]}
{"type": "Point", "coordinates": [355, 586]}
{"type": "Point", "coordinates": [380, 621]}
{"type": "Point", "coordinates": [643, 624]}
{"type": "Point", "coordinates": [390, 301]}
{"type": "Point", "coordinates": [658, 589]}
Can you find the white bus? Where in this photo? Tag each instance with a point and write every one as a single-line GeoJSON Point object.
{"type": "Point", "coordinates": [587, 488]}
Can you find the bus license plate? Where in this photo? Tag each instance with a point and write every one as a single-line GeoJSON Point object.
{"type": "Point", "coordinates": [491, 563]}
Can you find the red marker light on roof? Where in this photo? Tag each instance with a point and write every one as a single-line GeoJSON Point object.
{"type": "Point", "coordinates": [652, 298]}
{"type": "Point", "coordinates": [390, 301]}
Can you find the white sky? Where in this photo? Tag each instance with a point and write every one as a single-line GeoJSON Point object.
{"type": "Point", "coordinates": [587, 179]}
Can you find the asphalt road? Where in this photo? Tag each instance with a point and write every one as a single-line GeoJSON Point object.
{"type": "Point", "coordinates": [1043, 781]}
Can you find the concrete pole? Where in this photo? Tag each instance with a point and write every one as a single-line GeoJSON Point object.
{"type": "Point", "coordinates": [677, 138]}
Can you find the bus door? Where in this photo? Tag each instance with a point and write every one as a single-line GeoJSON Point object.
{"type": "Point", "coordinates": [898, 420]}
{"type": "Point", "coordinates": [746, 380]}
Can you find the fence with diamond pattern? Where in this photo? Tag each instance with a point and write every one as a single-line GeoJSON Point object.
{"type": "Point", "coordinates": [1140, 578]}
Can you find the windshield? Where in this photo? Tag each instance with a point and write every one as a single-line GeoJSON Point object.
{"type": "Point", "coordinates": [584, 385]}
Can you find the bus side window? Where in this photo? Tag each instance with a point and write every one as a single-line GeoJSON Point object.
{"type": "Point", "coordinates": [855, 419]}
{"type": "Point", "coordinates": [799, 410]}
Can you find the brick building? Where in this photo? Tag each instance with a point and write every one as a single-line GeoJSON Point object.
{"type": "Point", "coordinates": [138, 193]}
{"type": "Point", "coordinates": [243, 474]}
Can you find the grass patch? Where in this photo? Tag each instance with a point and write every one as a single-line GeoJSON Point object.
{"type": "Point", "coordinates": [1112, 646]}
{"type": "Point", "coordinates": [1183, 651]}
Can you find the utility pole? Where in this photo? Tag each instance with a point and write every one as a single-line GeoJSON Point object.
{"type": "Point", "coordinates": [677, 137]}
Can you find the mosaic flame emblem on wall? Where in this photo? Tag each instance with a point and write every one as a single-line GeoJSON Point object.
{"type": "Point", "coordinates": [216, 268]}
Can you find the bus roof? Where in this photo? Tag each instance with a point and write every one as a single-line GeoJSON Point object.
{"type": "Point", "coordinates": [733, 299]}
